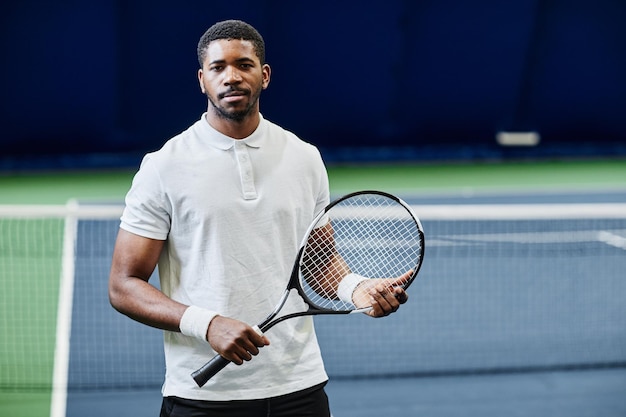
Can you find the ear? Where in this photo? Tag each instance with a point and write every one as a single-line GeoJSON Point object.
{"type": "Point", "coordinates": [200, 80]}
{"type": "Point", "coordinates": [267, 72]}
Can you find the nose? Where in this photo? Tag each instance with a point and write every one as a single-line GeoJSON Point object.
{"type": "Point", "coordinates": [232, 76]}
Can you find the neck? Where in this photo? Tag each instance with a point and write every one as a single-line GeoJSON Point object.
{"type": "Point", "coordinates": [236, 129]}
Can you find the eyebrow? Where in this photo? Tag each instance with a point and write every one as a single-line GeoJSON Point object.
{"type": "Point", "coordinates": [238, 60]}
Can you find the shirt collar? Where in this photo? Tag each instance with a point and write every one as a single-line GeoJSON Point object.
{"type": "Point", "coordinates": [221, 141]}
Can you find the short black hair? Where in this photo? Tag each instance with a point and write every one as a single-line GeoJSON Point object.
{"type": "Point", "coordinates": [232, 29]}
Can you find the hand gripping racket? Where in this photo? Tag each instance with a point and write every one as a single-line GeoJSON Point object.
{"type": "Point", "coordinates": [363, 238]}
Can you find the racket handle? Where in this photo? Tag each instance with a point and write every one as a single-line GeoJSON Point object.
{"type": "Point", "coordinates": [212, 367]}
{"type": "Point", "coordinates": [208, 371]}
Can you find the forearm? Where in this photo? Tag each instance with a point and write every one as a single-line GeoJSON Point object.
{"type": "Point", "coordinates": [139, 300]}
{"type": "Point", "coordinates": [134, 260]}
{"type": "Point", "coordinates": [336, 271]}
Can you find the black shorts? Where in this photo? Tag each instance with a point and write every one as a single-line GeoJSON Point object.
{"type": "Point", "coordinates": [311, 402]}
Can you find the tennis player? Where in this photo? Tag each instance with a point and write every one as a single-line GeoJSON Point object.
{"type": "Point", "coordinates": [221, 209]}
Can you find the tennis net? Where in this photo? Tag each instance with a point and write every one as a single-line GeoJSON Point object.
{"type": "Point", "coordinates": [503, 288]}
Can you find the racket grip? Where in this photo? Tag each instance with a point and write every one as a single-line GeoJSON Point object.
{"type": "Point", "coordinates": [208, 371]}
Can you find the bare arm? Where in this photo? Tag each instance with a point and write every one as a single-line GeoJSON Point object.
{"type": "Point", "coordinates": [134, 260]}
{"type": "Point", "coordinates": [383, 295]}
{"type": "Point", "coordinates": [323, 268]}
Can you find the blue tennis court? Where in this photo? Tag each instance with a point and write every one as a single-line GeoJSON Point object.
{"type": "Point", "coordinates": [510, 316]}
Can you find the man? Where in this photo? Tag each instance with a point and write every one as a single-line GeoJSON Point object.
{"type": "Point", "coordinates": [221, 209]}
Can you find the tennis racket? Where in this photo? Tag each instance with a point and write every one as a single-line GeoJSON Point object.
{"type": "Point", "coordinates": [363, 238]}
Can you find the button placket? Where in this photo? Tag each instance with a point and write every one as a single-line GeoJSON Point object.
{"type": "Point", "coordinates": [246, 174]}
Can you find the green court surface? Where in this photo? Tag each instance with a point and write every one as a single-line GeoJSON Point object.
{"type": "Point", "coordinates": [26, 404]}
{"type": "Point", "coordinates": [58, 187]}
{"type": "Point", "coordinates": [29, 325]}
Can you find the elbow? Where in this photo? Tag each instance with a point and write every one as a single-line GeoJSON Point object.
{"type": "Point", "coordinates": [116, 295]}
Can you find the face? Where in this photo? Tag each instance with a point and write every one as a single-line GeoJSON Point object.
{"type": "Point", "coordinates": [232, 78]}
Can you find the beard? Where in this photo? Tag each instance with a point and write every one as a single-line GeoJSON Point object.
{"type": "Point", "coordinates": [233, 114]}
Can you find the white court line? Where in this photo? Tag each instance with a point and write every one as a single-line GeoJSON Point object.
{"type": "Point", "coordinates": [451, 212]}
{"type": "Point", "coordinates": [425, 211]}
{"type": "Point", "coordinates": [612, 239]}
{"type": "Point", "coordinates": [520, 211]}
{"type": "Point", "coordinates": [567, 236]}
{"type": "Point", "coordinates": [72, 208]}
{"type": "Point", "coordinates": [601, 236]}
{"type": "Point", "coordinates": [64, 316]}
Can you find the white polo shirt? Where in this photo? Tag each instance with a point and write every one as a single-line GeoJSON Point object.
{"type": "Point", "coordinates": [232, 213]}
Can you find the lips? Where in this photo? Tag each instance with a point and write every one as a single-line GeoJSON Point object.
{"type": "Point", "coordinates": [233, 93]}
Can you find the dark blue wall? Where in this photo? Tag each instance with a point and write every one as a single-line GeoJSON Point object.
{"type": "Point", "coordinates": [370, 80]}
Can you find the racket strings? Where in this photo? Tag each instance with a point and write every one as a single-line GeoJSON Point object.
{"type": "Point", "coordinates": [370, 235]}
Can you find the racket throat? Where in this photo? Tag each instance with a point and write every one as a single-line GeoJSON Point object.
{"type": "Point", "coordinates": [263, 326]}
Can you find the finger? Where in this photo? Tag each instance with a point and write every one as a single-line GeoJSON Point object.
{"type": "Point", "coordinates": [401, 295]}
{"type": "Point", "coordinates": [249, 349]}
{"type": "Point", "coordinates": [380, 311]}
{"type": "Point", "coordinates": [234, 358]}
{"type": "Point", "coordinates": [241, 358]}
{"type": "Point", "coordinates": [246, 345]}
{"type": "Point", "coordinates": [384, 301]}
{"type": "Point", "coordinates": [236, 354]}
{"type": "Point", "coordinates": [244, 353]}
{"type": "Point", "coordinates": [258, 338]}
{"type": "Point", "coordinates": [376, 310]}
{"type": "Point", "coordinates": [402, 279]}
{"type": "Point", "coordinates": [255, 339]}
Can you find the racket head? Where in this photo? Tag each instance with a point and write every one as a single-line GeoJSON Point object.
{"type": "Point", "coordinates": [376, 234]}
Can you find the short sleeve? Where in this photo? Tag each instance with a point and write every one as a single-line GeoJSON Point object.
{"type": "Point", "coordinates": [147, 210]}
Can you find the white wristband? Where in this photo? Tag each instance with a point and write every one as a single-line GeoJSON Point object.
{"type": "Point", "coordinates": [195, 322]}
{"type": "Point", "coordinates": [347, 286]}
